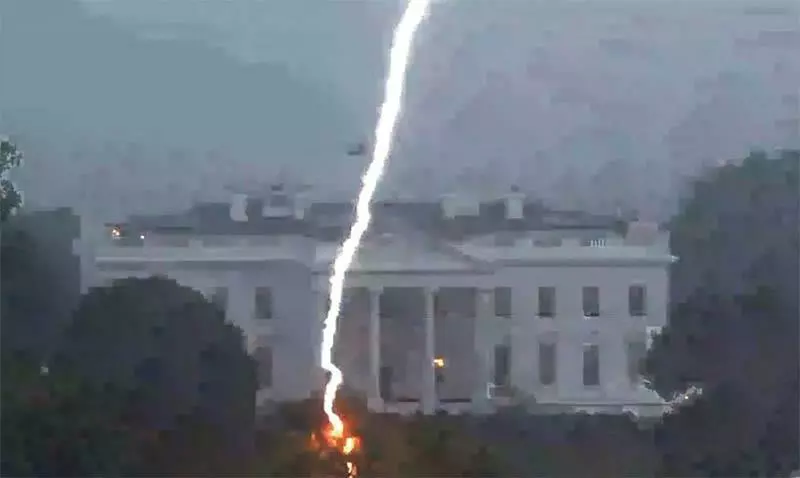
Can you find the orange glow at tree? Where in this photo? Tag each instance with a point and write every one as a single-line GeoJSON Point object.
{"type": "Point", "coordinates": [344, 443]}
{"type": "Point", "coordinates": [399, 55]}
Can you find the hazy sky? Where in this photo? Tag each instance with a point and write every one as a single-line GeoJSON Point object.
{"type": "Point", "coordinates": [576, 100]}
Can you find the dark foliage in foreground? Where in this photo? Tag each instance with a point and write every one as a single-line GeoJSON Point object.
{"type": "Point", "coordinates": [150, 380]}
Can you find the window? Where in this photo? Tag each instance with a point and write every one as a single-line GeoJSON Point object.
{"type": "Point", "coordinates": [263, 302]}
{"type": "Point", "coordinates": [455, 302]}
{"type": "Point", "coordinates": [219, 297]}
{"type": "Point", "coordinates": [591, 301]}
{"type": "Point", "coordinates": [637, 351]}
{"type": "Point", "coordinates": [547, 363]}
{"type": "Point", "coordinates": [591, 365]}
{"type": "Point", "coordinates": [398, 302]}
{"type": "Point", "coordinates": [263, 358]}
{"type": "Point", "coordinates": [637, 300]}
{"type": "Point", "coordinates": [502, 302]}
{"type": "Point", "coordinates": [385, 383]}
{"type": "Point", "coordinates": [502, 365]}
{"type": "Point", "coordinates": [438, 370]}
{"type": "Point", "coordinates": [547, 301]}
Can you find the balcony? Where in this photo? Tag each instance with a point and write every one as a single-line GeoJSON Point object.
{"type": "Point", "coordinates": [610, 250]}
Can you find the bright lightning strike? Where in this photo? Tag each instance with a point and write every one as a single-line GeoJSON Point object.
{"type": "Point", "coordinates": [384, 131]}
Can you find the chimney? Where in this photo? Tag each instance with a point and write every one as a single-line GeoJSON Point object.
{"type": "Point", "coordinates": [515, 204]}
{"type": "Point", "coordinates": [302, 201]}
{"type": "Point", "coordinates": [277, 203]}
{"type": "Point", "coordinates": [449, 206]}
{"type": "Point", "coordinates": [238, 209]}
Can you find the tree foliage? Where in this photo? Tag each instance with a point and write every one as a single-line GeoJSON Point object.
{"type": "Point", "coordinates": [40, 282]}
{"type": "Point", "coordinates": [149, 380]}
{"type": "Point", "coordinates": [391, 445]}
{"type": "Point", "coordinates": [184, 366]}
{"type": "Point", "coordinates": [10, 197]}
{"type": "Point", "coordinates": [734, 321]}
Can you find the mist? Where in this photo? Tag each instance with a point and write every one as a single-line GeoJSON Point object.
{"type": "Point", "coordinates": [143, 106]}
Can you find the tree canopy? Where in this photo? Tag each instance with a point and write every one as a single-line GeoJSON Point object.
{"type": "Point", "coordinates": [10, 197]}
{"type": "Point", "coordinates": [148, 366]}
{"type": "Point", "coordinates": [734, 321]}
{"type": "Point", "coordinates": [148, 378]}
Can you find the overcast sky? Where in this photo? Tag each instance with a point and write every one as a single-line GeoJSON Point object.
{"type": "Point", "coordinates": [582, 102]}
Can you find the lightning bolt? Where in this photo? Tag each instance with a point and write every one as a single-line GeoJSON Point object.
{"type": "Point", "coordinates": [399, 56]}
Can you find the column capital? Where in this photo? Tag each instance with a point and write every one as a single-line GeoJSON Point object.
{"type": "Point", "coordinates": [375, 290]}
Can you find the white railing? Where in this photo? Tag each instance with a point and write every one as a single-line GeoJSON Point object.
{"type": "Point", "coordinates": [193, 253]}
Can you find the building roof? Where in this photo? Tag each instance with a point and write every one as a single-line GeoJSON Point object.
{"type": "Point", "coordinates": [330, 221]}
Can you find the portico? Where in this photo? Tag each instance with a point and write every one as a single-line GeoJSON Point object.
{"type": "Point", "coordinates": [418, 352]}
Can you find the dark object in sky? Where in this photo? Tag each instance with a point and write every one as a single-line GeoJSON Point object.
{"type": "Point", "coordinates": [359, 149]}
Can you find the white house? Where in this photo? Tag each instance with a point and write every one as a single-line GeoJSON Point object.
{"type": "Point", "coordinates": [459, 304]}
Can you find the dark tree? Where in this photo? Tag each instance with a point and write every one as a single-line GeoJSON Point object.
{"type": "Point", "coordinates": [40, 281]}
{"type": "Point", "coordinates": [10, 197]}
{"type": "Point", "coordinates": [189, 385]}
{"type": "Point", "coordinates": [53, 425]}
{"type": "Point", "coordinates": [734, 322]}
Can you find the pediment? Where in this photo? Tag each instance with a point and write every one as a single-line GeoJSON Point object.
{"type": "Point", "coordinates": [402, 253]}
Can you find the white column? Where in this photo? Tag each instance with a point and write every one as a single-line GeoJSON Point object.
{"type": "Point", "coordinates": [322, 309]}
{"type": "Point", "coordinates": [483, 348]}
{"type": "Point", "coordinates": [374, 399]}
{"type": "Point", "coordinates": [429, 399]}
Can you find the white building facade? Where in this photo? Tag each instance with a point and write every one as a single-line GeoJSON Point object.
{"type": "Point", "coordinates": [458, 305]}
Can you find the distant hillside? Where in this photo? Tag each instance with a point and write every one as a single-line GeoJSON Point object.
{"type": "Point", "coordinates": [77, 89]}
